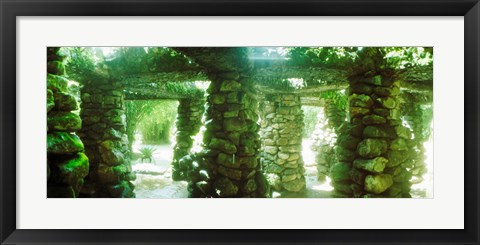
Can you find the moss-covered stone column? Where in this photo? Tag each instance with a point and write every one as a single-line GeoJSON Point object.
{"type": "Point", "coordinates": [106, 143]}
{"type": "Point", "coordinates": [189, 121]}
{"type": "Point", "coordinates": [324, 137]}
{"type": "Point", "coordinates": [418, 112]}
{"type": "Point", "coordinates": [67, 165]}
{"type": "Point", "coordinates": [373, 151]}
{"type": "Point", "coordinates": [282, 142]}
{"type": "Point", "coordinates": [229, 164]}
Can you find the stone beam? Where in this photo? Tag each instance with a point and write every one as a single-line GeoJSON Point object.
{"type": "Point", "coordinates": [158, 91]}
{"type": "Point", "coordinates": [219, 59]}
{"type": "Point", "coordinates": [163, 77]}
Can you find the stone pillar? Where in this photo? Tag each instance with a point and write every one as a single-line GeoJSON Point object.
{"type": "Point", "coordinates": [189, 121]}
{"type": "Point", "coordinates": [229, 164]}
{"type": "Point", "coordinates": [106, 142]}
{"type": "Point", "coordinates": [67, 165]}
{"type": "Point", "coordinates": [373, 150]}
{"type": "Point", "coordinates": [282, 142]}
{"type": "Point", "coordinates": [418, 113]}
{"type": "Point", "coordinates": [323, 141]}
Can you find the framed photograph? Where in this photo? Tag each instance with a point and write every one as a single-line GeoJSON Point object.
{"type": "Point", "coordinates": [166, 122]}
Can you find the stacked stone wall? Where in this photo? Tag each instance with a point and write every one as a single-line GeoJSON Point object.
{"type": "Point", "coordinates": [188, 123]}
{"type": "Point", "coordinates": [106, 142]}
{"type": "Point", "coordinates": [229, 164]}
{"type": "Point", "coordinates": [374, 149]}
{"type": "Point", "coordinates": [67, 165]}
{"type": "Point", "coordinates": [323, 140]}
{"type": "Point", "coordinates": [419, 117]}
{"type": "Point", "coordinates": [281, 133]}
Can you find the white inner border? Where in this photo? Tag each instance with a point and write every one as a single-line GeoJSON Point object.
{"type": "Point", "coordinates": [445, 210]}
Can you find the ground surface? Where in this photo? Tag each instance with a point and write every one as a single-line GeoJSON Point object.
{"type": "Point", "coordinates": [154, 179]}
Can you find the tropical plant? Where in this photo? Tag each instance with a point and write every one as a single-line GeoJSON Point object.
{"type": "Point", "coordinates": [147, 153]}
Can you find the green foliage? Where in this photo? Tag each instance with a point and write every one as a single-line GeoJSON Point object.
{"type": "Point", "coordinates": [138, 60]}
{"type": "Point", "coordinates": [310, 114]}
{"type": "Point", "coordinates": [135, 111]}
{"type": "Point", "coordinates": [80, 62]}
{"type": "Point", "coordinates": [322, 56]}
{"type": "Point", "coordinates": [336, 97]}
{"type": "Point", "coordinates": [155, 127]}
{"type": "Point", "coordinates": [346, 57]}
{"type": "Point", "coordinates": [189, 89]}
{"type": "Point", "coordinates": [147, 153]}
{"type": "Point", "coordinates": [403, 57]}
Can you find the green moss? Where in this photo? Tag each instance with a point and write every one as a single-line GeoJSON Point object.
{"type": "Point", "coordinates": [57, 83]}
{"type": "Point", "coordinates": [64, 121]}
{"type": "Point", "coordinates": [72, 170]}
{"type": "Point", "coordinates": [63, 143]}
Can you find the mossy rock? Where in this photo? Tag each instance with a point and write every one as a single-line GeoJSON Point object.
{"type": "Point", "coordinates": [359, 111]}
{"type": "Point", "coordinates": [65, 102]}
{"type": "Point", "coordinates": [249, 187]}
{"type": "Point", "coordinates": [379, 132]}
{"type": "Point", "coordinates": [231, 173]}
{"type": "Point", "coordinates": [373, 119]}
{"type": "Point", "coordinates": [228, 160]}
{"type": "Point", "coordinates": [123, 190]}
{"type": "Point", "coordinates": [358, 175]}
{"type": "Point", "coordinates": [113, 157]}
{"type": "Point", "coordinates": [230, 85]}
{"type": "Point", "coordinates": [234, 124]}
{"type": "Point", "coordinates": [396, 158]}
{"type": "Point", "coordinates": [217, 99]}
{"type": "Point", "coordinates": [381, 112]}
{"type": "Point", "coordinates": [57, 83]}
{"type": "Point", "coordinates": [360, 100]}
{"type": "Point", "coordinates": [55, 67]}
{"type": "Point", "coordinates": [348, 141]}
{"type": "Point", "coordinates": [378, 183]}
{"type": "Point", "coordinates": [343, 186]}
{"type": "Point", "coordinates": [375, 80]}
{"type": "Point", "coordinates": [399, 144]}
{"type": "Point", "coordinates": [375, 165]}
{"type": "Point", "coordinates": [222, 145]}
{"type": "Point", "coordinates": [50, 100]}
{"type": "Point", "coordinates": [340, 171]}
{"type": "Point", "coordinates": [295, 185]}
{"type": "Point", "coordinates": [361, 88]}
{"type": "Point", "coordinates": [344, 154]}
{"type": "Point", "coordinates": [71, 170]}
{"type": "Point", "coordinates": [63, 143]}
{"type": "Point", "coordinates": [224, 187]}
{"type": "Point", "coordinates": [403, 132]}
{"type": "Point", "coordinates": [113, 174]}
{"type": "Point", "coordinates": [388, 103]}
{"type": "Point", "coordinates": [370, 148]}
{"type": "Point", "coordinates": [63, 121]}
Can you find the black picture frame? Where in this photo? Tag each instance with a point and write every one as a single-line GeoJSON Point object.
{"type": "Point", "coordinates": [10, 9]}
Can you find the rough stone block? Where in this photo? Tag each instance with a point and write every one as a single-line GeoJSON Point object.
{"type": "Point", "coordinates": [375, 165]}
{"type": "Point", "coordinates": [370, 148]}
{"type": "Point", "coordinates": [63, 121]}
{"type": "Point", "coordinates": [378, 183]}
{"type": "Point", "coordinates": [63, 143]}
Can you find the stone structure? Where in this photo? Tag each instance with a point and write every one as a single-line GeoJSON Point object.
{"type": "Point", "coordinates": [106, 142]}
{"type": "Point", "coordinates": [323, 140]}
{"type": "Point", "coordinates": [281, 134]}
{"type": "Point", "coordinates": [189, 121]}
{"type": "Point", "coordinates": [67, 165]}
{"type": "Point", "coordinates": [419, 114]}
{"type": "Point", "coordinates": [373, 150]}
{"type": "Point", "coordinates": [229, 164]}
